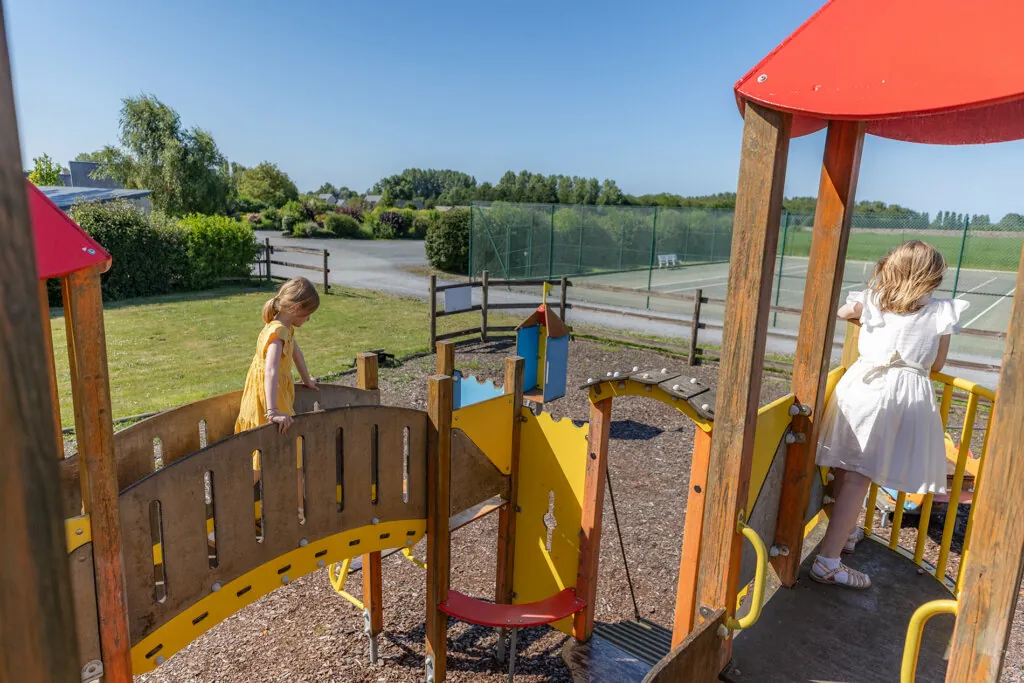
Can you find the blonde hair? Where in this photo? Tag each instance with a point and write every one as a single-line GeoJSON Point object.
{"type": "Point", "coordinates": [295, 296]}
{"type": "Point", "coordinates": [905, 275]}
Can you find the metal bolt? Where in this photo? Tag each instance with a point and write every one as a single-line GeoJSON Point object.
{"type": "Point", "coordinates": [777, 550]}
{"type": "Point", "coordinates": [609, 374]}
{"type": "Point", "coordinates": [827, 500]}
{"type": "Point", "coordinates": [636, 368]}
{"type": "Point", "coordinates": [78, 532]}
{"type": "Point", "coordinates": [160, 660]}
{"type": "Point", "coordinates": [693, 380]}
{"type": "Point", "coordinates": [518, 509]}
{"type": "Point", "coordinates": [799, 409]}
{"type": "Point", "coordinates": [285, 579]}
{"type": "Point", "coordinates": [676, 387]}
{"type": "Point", "coordinates": [696, 488]}
{"type": "Point", "coordinates": [664, 371]}
{"type": "Point", "coordinates": [303, 543]}
{"type": "Point", "coordinates": [615, 374]}
{"type": "Point", "coordinates": [705, 407]}
{"type": "Point", "coordinates": [590, 380]}
{"type": "Point", "coordinates": [215, 587]}
{"type": "Point", "coordinates": [647, 375]}
{"type": "Point", "coordinates": [762, 78]}
{"type": "Point", "coordinates": [375, 521]}
{"type": "Point", "coordinates": [830, 477]}
{"type": "Point", "coordinates": [705, 611]}
{"type": "Point", "coordinates": [723, 632]}
{"type": "Point", "coordinates": [796, 437]}
{"type": "Point", "coordinates": [593, 456]}
{"type": "Point", "coordinates": [320, 563]}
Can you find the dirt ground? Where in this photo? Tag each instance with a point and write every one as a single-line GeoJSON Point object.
{"type": "Point", "coordinates": [305, 632]}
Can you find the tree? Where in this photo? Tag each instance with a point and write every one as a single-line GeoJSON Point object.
{"type": "Point", "coordinates": [326, 188]}
{"type": "Point", "coordinates": [183, 168]}
{"type": "Point", "coordinates": [610, 193]}
{"type": "Point", "coordinates": [45, 171]}
{"type": "Point", "coordinates": [386, 200]}
{"type": "Point", "coordinates": [267, 185]}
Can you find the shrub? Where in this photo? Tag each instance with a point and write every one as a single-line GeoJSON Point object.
{"type": "Point", "coordinates": [217, 247]}
{"type": "Point", "coordinates": [147, 260]}
{"type": "Point", "coordinates": [288, 224]}
{"type": "Point", "coordinates": [421, 224]}
{"type": "Point", "coordinates": [305, 229]}
{"type": "Point", "coordinates": [447, 241]}
{"type": "Point", "coordinates": [408, 217]}
{"type": "Point", "coordinates": [271, 215]}
{"type": "Point", "coordinates": [353, 211]}
{"type": "Point", "coordinates": [295, 210]}
{"type": "Point", "coordinates": [391, 224]}
{"type": "Point", "coordinates": [341, 225]}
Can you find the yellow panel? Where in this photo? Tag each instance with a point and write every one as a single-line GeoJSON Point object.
{"type": "Point", "coordinates": [627, 387]}
{"type": "Point", "coordinates": [830, 384]}
{"type": "Point", "coordinates": [552, 458]}
{"type": "Point", "coordinates": [220, 604]}
{"type": "Point", "coordinates": [488, 424]}
{"type": "Point", "coordinates": [77, 532]}
{"type": "Point", "coordinates": [772, 422]}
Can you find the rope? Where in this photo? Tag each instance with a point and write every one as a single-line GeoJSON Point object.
{"type": "Point", "coordinates": [622, 546]}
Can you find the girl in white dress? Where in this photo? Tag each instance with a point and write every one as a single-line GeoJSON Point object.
{"type": "Point", "coordinates": [881, 423]}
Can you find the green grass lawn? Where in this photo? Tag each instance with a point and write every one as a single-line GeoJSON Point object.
{"type": "Point", "coordinates": [166, 351]}
{"type": "Point", "coordinates": [985, 253]}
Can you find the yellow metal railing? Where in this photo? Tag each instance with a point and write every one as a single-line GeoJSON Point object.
{"type": "Point", "coordinates": [912, 646]}
{"type": "Point", "coordinates": [975, 393]}
{"type": "Point", "coordinates": [760, 578]}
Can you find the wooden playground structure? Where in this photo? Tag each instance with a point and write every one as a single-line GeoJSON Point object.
{"type": "Point", "coordinates": [117, 557]}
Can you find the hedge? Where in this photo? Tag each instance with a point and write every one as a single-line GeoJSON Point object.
{"type": "Point", "coordinates": [342, 225]}
{"type": "Point", "coordinates": [447, 241]}
{"type": "Point", "coordinates": [157, 255]}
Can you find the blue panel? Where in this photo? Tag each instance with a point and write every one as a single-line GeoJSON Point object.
{"type": "Point", "coordinates": [528, 346]}
{"type": "Point", "coordinates": [456, 390]}
{"type": "Point", "coordinates": [556, 368]}
{"type": "Point", "coordinates": [469, 390]}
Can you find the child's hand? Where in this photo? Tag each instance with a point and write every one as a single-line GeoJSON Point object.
{"type": "Point", "coordinates": [283, 422]}
{"type": "Point", "coordinates": [311, 384]}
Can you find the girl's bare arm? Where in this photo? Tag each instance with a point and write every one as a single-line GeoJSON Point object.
{"type": "Point", "coordinates": [850, 311]}
{"type": "Point", "coordinates": [270, 372]}
{"type": "Point", "coordinates": [300, 365]}
{"type": "Point", "coordinates": [940, 357]}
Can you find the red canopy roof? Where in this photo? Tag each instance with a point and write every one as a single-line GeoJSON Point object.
{"type": "Point", "coordinates": [934, 71]}
{"type": "Point", "coordinates": [62, 247]}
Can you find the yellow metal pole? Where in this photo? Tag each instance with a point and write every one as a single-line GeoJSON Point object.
{"type": "Point", "coordinates": [958, 482]}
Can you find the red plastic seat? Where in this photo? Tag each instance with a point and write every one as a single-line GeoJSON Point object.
{"type": "Point", "coordinates": [483, 613]}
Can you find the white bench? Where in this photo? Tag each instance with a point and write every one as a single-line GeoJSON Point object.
{"type": "Point", "coordinates": [667, 260]}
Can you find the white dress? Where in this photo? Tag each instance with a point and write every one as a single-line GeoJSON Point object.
{"type": "Point", "coordinates": [882, 420]}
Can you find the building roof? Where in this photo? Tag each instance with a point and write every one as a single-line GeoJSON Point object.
{"type": "Point", "coordinates": [62, 247]}
{"type": "Point", "coordinates": [373, 198]}
{"type": "Point", "coordinates": [80, 176]}
{"type": "Point", "coordinates": [65, 197]}
{"type": "Point", "coordinates": [941, 72]}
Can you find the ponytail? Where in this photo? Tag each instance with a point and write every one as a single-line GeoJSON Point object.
{"type": "Point", "coordinates": [297, 294]}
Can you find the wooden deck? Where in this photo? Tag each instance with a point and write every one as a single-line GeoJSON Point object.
{"type": "Point", "coordinates": [814, 633]}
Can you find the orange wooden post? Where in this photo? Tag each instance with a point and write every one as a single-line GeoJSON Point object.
{"type": "Point", "coordinates": [37, 633]}
{"type": "Point", "coordinates": [445, 357]}
{"type": "Point", "coordinates": [95, 436]}
{"type": "Point", "coordinates": [993, 567]}
{"type": "Point", "coordinates": [836, 197]}
{"type": "Point", "coordinates": [755, 237]}
{"type": "Point", "coordinates": [686, 593]}
{"type": "Point", "coordinates": [593, 507]}
{"type": "Point", "coordinates": [439, 550]}
{"type": "Point", "coordinates": [373, 594]}
{"type": "Point", "coordinates": [503, 591]}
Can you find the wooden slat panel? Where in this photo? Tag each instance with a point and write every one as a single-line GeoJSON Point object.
{"type": "Point", "coordinates": [696, 659]}
{"type": "Point", "coordinates": [439, 462]}
{"type": "Point", "coordinates": [996, 558]}
{"type": "Point", "coordinates": [180, 489]}
{"type": "Point", "coordinates": [474, 477]}
{"type": "Point", "coordinates": [507, 516]}
{"type": "Point", "coordinates": [755, 237]}
{"type": "Point", "coordinates": [836, 196]}
{"type": "Point", "coordinates": [593, 510]}
{"type": "Point", "coordinates": [689, 560]}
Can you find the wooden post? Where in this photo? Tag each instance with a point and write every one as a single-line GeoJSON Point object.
{"type": "Point", "coordinates": [483, 306]}
{"type": "Point", "coordinates": [327, 271]}
{"type": "Point", "coordinates": [433, 311]}
{"type": "Point", "coordinates": [593, 508]}
{"type": "Point", "coordinates": [446, 358]}
{"type": "Point", "coordinates": [686, 592]}
{"type": "Point", "coordinates": [51, 366]}
{"type": "Point", "coordinates": [994, 564]}
{"type": "Point", "coordinates": [755, 236]}
{"type": "Point", "coordinates": [507, 513]}
{"type": "Point", "coordinates": [373, 594]}
{"type": "Point", "coordinates": [266, 255]}
{"type": "Point", "coordinates": [95, 436]}
{"type": "Point", "coordinates": [836, 197]}
{"type": "Point", "coordinates": [37, 633]}
{"type": "Point", "coordinates": [439, 464]}
{"type": "Point", "coordinates": [850, 342]}
{"type": "Point", "coordinates": [694, 326]}
{"type": "Point", "coordinates": [562, 294]}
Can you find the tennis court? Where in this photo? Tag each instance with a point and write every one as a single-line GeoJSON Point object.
{"type": "Point", "coordinates": [990, 294]}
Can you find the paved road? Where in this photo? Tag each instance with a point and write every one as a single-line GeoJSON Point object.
{"type": "Point", "coordinates": [377, 265]}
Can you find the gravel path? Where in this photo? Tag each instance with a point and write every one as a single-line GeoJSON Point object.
{"type": "Point", "coordinates": [305, 632]}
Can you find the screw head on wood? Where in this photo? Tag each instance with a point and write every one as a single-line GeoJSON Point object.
{"type": "Point", "coordinates": [705, 406]}
{"type": "Point", "coordinates": [676, 387]}
{"type": "Point", "coordinates": [636, 368]}
{"type": "Point", "coordinates": [693, 380]}
{"type": "Point", "coordinates": [215, 587]}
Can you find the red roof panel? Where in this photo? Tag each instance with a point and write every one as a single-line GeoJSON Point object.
{"type": "Point", "coordinates": [936, 71]}
{"type": "Point", "coordinates": [62, 247]}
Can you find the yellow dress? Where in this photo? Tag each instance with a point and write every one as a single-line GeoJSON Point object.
{"type": "Point", "coordinates": [253, 411]}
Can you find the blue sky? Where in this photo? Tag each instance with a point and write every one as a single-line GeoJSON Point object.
{"type": "Point", "coordinates": [348, 92]}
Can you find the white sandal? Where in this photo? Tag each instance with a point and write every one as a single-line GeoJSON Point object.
{"type": "Point", "coordinates": [854, 579]}
{"type": "Point", "coordinates": [851, 542]}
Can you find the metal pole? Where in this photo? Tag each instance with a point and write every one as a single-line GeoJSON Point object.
{"type": "Point", "coordinates": [508, 250]}
{"type": "Point", "coordinates": [960, 257]}
{"type": "Point", "coordinates": [433, 311]}
{"type": "Point", "coordinates": [551, 244]}
{"type": "Point", "coordinates": [579, 258]}
{"type": "Point", "coordinates": [622, 239]}
{"type": "Point", "coordinates": [266, 252]}
{"type": "Point", "coordinates": [782, 255]}
{"type": "Point", "coordinates": [469, 259]}
{"type": "Point", "coordinates": [654, 245]}
{"type": "Point", "coordinates": [529, 243]}
{"type": "Point", "coordinates": [563, 286]}
{"type": "Point", "coordinates": [327, 282]}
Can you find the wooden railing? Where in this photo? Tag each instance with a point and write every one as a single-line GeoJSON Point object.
{"type": "Point", "coordinates": [266, 261]}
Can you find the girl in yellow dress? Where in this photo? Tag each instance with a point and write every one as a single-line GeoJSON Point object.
{"type": "Point", "coordinates": [269, 394]}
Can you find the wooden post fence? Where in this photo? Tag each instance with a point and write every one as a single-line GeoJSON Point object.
{"type": "Point", "coordinates": [269, 250]}
{"type": "Point", "coordinates": [695, 326]}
